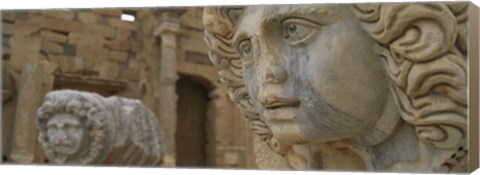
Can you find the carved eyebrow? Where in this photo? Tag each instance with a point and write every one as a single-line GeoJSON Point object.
{"type": "Point", "coordinates": [74, 122]}
{"type": "Point", "coordinates": [298, 10]}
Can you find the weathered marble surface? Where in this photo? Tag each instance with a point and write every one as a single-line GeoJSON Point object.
{"type": "Point", "coordinates": [85, 128]}
{"type": "Point", "coordinates": [367, 87]}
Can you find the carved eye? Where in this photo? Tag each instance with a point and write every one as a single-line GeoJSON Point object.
{"type": "Point", "coordinates": [298, 30]}
{"type": "Point", "coordinates": [72, 127]}
{"type": "Point", "coordinates": [246, 51]}
{"type": "Point", "coordinates": [52, 128]}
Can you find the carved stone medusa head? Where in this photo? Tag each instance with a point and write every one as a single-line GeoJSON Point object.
{"type": "Point", "coordinates": [376, 87]}
{"type": "Point", "coordinates": [85, 128]}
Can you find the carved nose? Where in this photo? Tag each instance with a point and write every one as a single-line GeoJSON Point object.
{"type": "Point", "coordinates": [61, 137]}
{"type": "Point", "coordinates": [275, 75]}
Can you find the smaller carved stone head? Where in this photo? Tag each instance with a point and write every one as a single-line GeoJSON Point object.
{"type": "Point", "coordinates": [66, 133]}
{"type": "Point", "coordinates": [71, 127]}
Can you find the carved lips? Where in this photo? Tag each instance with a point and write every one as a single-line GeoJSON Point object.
{"type": "Point", "coordinates": [279, 108]}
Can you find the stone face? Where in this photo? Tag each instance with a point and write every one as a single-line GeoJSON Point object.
{"type": "Point", "coordinates": [121, 132]}
{"type": "Point", "coordinates": [334, 87]}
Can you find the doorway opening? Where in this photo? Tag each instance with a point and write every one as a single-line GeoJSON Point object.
{"type": "Point", "coordinates": [190, 135]}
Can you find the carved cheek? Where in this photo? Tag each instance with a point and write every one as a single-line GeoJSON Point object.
{"type": "Point", "coordinates": [76, 136]}
{"type": "Point", "coordinates": [52, 136]}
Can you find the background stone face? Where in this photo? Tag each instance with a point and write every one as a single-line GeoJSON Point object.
{"type": "Point", "coordinates": [94, 50]}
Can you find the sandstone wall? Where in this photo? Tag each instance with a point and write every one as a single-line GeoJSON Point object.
{"type": "Point", "coordinates": [94, 50]}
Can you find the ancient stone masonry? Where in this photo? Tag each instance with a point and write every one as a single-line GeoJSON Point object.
{"type": "Point", "coordinates": [368, 87]}
{"type": "Point", "coordinates": [94, 50]}
{"type": "Point", "coordinates": [85, 128]}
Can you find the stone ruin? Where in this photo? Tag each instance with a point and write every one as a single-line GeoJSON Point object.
{"type": "Point", "coordinates": [78, 127]}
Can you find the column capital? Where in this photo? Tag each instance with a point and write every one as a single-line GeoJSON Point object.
{"type": "Point", "coordinates": [167, 20]}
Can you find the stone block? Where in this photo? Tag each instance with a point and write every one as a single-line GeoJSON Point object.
{"type": "Point", "coordinates": [63, 25]}
{"type": "Point", "coordinates": [90, 63]}
{"type": "Point", "coordinates": [79, 64]}
{"type": "Point", "coordinates": [120, 24]}
{"type": "Point", "coordinates": [7, 28]}
{"type": "Point", "coordinates": [136, 46]}
{"type": "Point", "coordinates": [118, 44]}
{"type": "Point", "coordinates": [192, 22]}
{"type": "Point", "coordinates": [8, 16]}
{"type": "Point", "coordinates": [108, 70]}
{"type": "Point", "coordinates": [135, 64]}
{"type": "Point", "coordinates": [64, 63]}
{"type": "Point", "coordinates": [83, 28]}
{"type": "Point", "coordinates": [54, 36]}
{"type": "Point", "coordinates": [25, 29]}
{"type": "Point", "coordinates": [199, 13]}
{"type": "Point", "coordinates": [62, 14]}
{"type": "Point", "coordinates": [78, 38]}
{"type": "Point", "coordinates": [121, 33]}
{"type": "Point", "coordinates": [20, 57]}
{"type": "Point", "coordinates": [194, 42]}
{"type": "Point", "coordinates": [49, 68]}
{"type": "Point", "coordinates": [190, 11]}
{"type": "Point", "coordinates": [108, 12]}
{"type": "Point", "coordinates": [99, 30]}
{"type": "Point", "coordinates": [51, 47]}
{"type": "Point", "coordinates": [5, 41]}
{"type": "Point", "coordinates": [131, 74]}
{"type": "Point", "coordinates": [38, 20]}
{"type": "Point", "coordinates": [118, 56]}
{"type": "Point", "coordinates": [93, 51]}
{"type": "Point", "coordinates": [146, 27]}
{"type": "Point", "coordinates": [27, 43]}
{"type": "Point", "coordinates": [6, 51]}
{"type": "Point", "coordinates": [88, 17]}
{"type": "Point", "coordinates": [150, 46]}
{"type": "Point", "coordinates": [69, 49]}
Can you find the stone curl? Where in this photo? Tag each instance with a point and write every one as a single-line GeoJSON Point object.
{"type": "Point", "coordinates": [425, 64]}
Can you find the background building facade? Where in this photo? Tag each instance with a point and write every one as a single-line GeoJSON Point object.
{"type": "Point", "coordinates": [159, 58]}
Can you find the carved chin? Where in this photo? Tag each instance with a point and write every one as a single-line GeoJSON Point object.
{"type": "Point", "coordinates": [59, 158]}
{"type": "Point", "coordinates": [287, 133]}
{"type": "Point", "coordinates": [65, 150]}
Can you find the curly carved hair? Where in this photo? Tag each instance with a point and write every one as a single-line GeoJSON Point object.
{"type": "Point", "coordinates": [424, 46]}
{"type": "Point", "coordinates": [81, 105]}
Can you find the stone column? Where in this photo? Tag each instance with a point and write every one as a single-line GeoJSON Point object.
{"type": "Point", "coordinates": [167, 27]}
{"type": "Point", "coordinates": [32, 84]}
